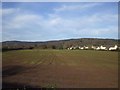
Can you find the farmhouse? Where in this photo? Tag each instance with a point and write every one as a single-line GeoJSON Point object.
{"type": "Point", "coordinates": [71, 48]}
{"type": "Point", "coordinates": [81, 48]}
{"type": "Point", "coordinates": [98, 48]}
{"type": "Point", "coordinates": [103, 48]}
{"type": "Point", "coordinates": [93, 47]}
{"type": "Point", "coordinates": [113, 48]}
{"type": "Point", "coordinates": [86, 47]}
{"type": "Point", "coordinates": [110, 48]}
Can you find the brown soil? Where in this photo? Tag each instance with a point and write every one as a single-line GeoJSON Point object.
{"type": "Point", "coordinates": [85, 75]}
{"type": "Point", "coordinates": [59, 76]}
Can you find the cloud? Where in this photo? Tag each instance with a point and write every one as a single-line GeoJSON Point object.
{"type": "Point", "coordinates": [14, 19]}
{"type": "Point", "coordinates": [38, 26]}
{"type": "Point", "coordinates": [0, 25]}
{"type": "Point", "coordinates": [35, 26]}
{"type": "Point", "coordinates": [9, 11]}
{"type": "Point", "coordinates": [75, 7]}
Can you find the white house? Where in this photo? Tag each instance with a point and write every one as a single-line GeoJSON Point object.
{"type": "Point", "coordinates": [71, 48]}
{"type": "Point", "coordinates": [86, 47]}
{"type": "Point", "coordinates": [113, 48]}
{"type": "Point", "coordinates": [82, 48]}
{"type": "Point", "coordinates": [98, 48]}
{"type": "Point", "coordinates": [79, 47]}
{"type": "Point", "coordinates": [103, 48]}
{"type": "Point", "coordinates": [93, 47]}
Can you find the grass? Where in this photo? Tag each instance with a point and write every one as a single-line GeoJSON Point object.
{"type": "Point", "coordinates": [65, 66]}
{"type": "Point", "coordinates": [62, 57]}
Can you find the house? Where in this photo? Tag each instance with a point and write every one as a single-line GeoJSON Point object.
{"type": "Point", "coordinates": [98, 48]}
{"type": "Point", "coordinates": [113, 48]}
{"type": "Point", "coordinates": [86, 47]}
{"type": "Point", "coordinates": [93, 47]}
{"type": "Point", "coordinates": [103, 48]}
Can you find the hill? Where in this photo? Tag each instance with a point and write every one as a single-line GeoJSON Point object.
{"type": "Point", "coordinates": [58, 44]}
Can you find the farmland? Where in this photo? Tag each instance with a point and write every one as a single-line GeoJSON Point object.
{"type": "Point", "coordinates": [60, 68]}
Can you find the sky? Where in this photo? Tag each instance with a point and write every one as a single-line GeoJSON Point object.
{"type": "Point", "coordinates": [44, 21]}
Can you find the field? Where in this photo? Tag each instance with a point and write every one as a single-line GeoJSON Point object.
{"type": "Point", "coordinates": [60, 68]}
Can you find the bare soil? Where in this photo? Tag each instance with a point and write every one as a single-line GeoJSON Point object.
{"type": "Point", "coordinates": [59, 72]}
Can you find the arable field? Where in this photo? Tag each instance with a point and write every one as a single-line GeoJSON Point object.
{"type": "Point", "coordinates": [60, 68]}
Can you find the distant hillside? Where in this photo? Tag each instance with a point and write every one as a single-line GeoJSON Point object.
{"type": "Point", "coordinates": [59, 44]}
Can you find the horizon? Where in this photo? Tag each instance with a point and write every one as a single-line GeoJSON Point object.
{"type": "Point", "coordinates": [59, 40]}
{"type": "Point", "coordinates": [48, 21]}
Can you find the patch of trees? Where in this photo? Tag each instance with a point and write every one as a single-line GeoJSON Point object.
{"type": "Point", "coordinates": [60, 44]}
{"type": "Point", "coordinates": [9, 49]}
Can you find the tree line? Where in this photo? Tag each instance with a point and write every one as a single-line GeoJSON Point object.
{"type": "Point", "coordinates": [60, 44]}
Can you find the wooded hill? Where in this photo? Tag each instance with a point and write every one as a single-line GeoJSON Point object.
{"type": "Point", "coordinates": [58, 44]}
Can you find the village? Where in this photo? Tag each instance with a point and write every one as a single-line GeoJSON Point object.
{"type": "Point", "coordinates": [110, 48]}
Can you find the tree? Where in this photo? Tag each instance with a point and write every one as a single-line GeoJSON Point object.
{"type": "Point", "coordinates": [53, 47]}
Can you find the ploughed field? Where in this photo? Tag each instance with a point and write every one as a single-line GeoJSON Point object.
{"type": "Point", "coordinates": [60, 68]}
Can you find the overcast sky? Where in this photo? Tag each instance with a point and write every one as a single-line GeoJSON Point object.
{"type": "Point", "coordinates": [54, 21]}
